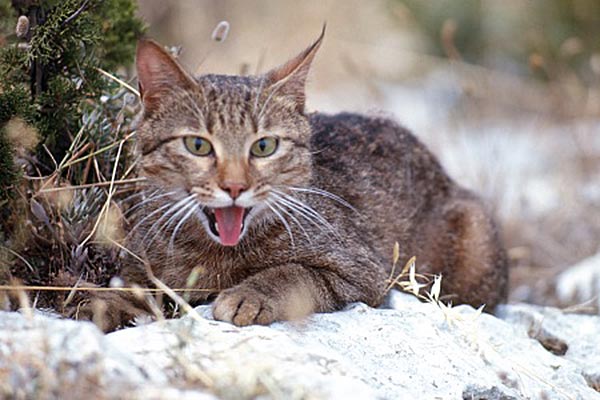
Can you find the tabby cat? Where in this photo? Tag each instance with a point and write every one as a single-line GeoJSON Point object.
{"type": "Point", "coordinates": [279, 211]}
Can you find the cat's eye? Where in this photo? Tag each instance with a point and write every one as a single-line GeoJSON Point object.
{"type": "Point", "coordinates": [197, 146]}
{"type": "Point", "coordinates": [264, 147]}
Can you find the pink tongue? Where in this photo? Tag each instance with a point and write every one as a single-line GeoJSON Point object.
{"type": "Point", "coordinates": [230, 224]}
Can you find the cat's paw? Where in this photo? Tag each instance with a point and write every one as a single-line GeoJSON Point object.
{"type": "Point", "coordinates": [244, 306]}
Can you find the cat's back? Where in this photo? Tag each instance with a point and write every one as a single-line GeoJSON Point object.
{"type": "Point", "coordinates": [357, 134]}
{"type": "Point", "coordinates": [356, 154]}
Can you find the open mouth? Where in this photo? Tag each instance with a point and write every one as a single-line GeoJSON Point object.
{"type": "Point", "coordinates": [227, 223]}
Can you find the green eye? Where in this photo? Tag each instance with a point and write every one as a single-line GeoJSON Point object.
{"type": "Point", "coordinates": [264, 147]}
{"type": "Point", "coordinates": [197, 145]}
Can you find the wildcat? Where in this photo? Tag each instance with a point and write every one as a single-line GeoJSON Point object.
{"type": "Point", "coordinates": [274, 207]}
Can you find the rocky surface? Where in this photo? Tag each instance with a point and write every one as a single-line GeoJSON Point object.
{"type": "Point", "coordinates": [580, 283]}
{"type": "Point", "coordinates": [410, 350]}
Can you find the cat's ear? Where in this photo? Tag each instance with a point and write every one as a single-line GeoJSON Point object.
{"type": "Point", "coordinates": [158, 73]}
{"type": "Point", "coordinates": [289, 79]}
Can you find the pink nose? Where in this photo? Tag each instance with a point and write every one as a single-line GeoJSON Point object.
{"type": "Point", "coordinates": [234, 188]}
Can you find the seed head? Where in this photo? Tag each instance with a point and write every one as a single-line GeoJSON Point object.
{"type": "Point", "coordinates": [22, 26]}
{"type": "Point", "coordinates": [220, 32]}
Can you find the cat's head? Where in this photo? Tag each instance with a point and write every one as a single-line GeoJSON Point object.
{"type": "Point", "coordinates": [225, 148]}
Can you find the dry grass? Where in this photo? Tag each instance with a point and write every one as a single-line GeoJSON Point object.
{"type": "Point", "coordinates": [60, 232]}
{"type": "Point", "coordinates": [466, 325]}
{"type": "Point", "coordinates": [409, 281]}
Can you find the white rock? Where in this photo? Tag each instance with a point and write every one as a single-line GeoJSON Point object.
{"type": "Point", "coordinates": [581, 282]}
{"type": "Point", "coordinates": [578, 336]}
{"type": "Point", "coordinates": [413, 351]}
{"type": "Point", "coordinates": [44, 357]}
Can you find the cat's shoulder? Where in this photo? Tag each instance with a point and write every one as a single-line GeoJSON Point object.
{"type": "Point", "coordinates": [352, 128]}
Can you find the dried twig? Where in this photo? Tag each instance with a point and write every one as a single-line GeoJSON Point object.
{"type": "Point", "coordinates": [76, 13]}
{"type": "Point", "coordinates": [119, 81]}
{"type": "Point", "coordinates": [90, 185]}
{"type": "Point", "coordinates": [97, 289]}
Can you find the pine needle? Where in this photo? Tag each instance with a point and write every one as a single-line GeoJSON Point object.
{"type": "Point", "coordinates": [119, 81]}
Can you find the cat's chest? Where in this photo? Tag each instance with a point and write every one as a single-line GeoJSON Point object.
{"type": "Point", "coordinates": [203, 264]}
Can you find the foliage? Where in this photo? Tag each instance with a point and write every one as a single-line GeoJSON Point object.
{"type": "Point", "coordinates": [7, 168]}
{"type": "Point", "coordinates": [466, 14]}
{"type": "Point", "coordinates": [51, 73]}
{"type": "Point", "coordinates": [120, 29]}
{"type": "Point", "coordinates": [547, 39]}
{"type": "Point", "coordinates": [53, 85]}
{"type": "Point", "coordinates": [10, 104]}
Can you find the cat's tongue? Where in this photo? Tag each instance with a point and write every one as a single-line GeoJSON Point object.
{"type": "Point", "coordinates": [230, 220]}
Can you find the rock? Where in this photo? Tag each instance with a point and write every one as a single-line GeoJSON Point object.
{"type": "Point", "coordinates": [578, 335]}
{"type": "Point", "coordinates": [44, 357]}
{"type": "Point", "coordinates": [580, 283]}
{"type": "Point", "coordinates": [411, 350]}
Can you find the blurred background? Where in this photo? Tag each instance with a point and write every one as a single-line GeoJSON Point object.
{"type": "Point", "coordinates": [507, 94]}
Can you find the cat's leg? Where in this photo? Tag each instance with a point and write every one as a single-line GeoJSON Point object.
{"type": "Point", "coordinates": [108, 310]}
{"type": "Point", "coordinates": [293, 291]}
{"type": "Point", "coordinates": [112, 309]}
{"type": "Point", "coordinates": [468, 252]}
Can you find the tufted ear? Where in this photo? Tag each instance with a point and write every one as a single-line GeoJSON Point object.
{"type": "Point", "coordinates": [289, 79]}
{"type": "Point", "coordinates": [158, 73]}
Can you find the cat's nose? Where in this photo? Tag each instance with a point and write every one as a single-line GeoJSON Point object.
{"type": "Point", "coordinates": [234, 188]}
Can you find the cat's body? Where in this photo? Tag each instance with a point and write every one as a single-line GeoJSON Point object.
{"type": "Point", "coordinates": [307, 227]}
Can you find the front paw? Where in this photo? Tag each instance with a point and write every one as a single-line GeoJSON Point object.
{"type": "Point", "coordinates": [244, 306]}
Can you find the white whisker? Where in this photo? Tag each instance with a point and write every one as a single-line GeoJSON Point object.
{"type": "Point", "coordinates": [285, 223]}
{"type": "Point", "coordinates": [274, 90]}
{"type": "Point", "coordinates": [176, 209]}
{"type": "Point", "coordinates": [326, 194]}
{"type": "Point", "coordinates": [191, 103]}
{"type": "Point", "coordinates": [148, 200]}
{"type": "Point", "coordinates": [195, 208]}
{"type": "Point", "coordinates": [290, 200]}
{"type": "Point", "coordinates": [165, 206]}
{"type": "Point", "coordinates": [260, 91]}
{"type": "Point", "coordinates": [140, 193]}
{"type": "Point", "coordinates": [306, 212]}
{"type": "Point", "coordinates": [291, 215]}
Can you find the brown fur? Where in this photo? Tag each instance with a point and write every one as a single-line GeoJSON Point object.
{"type": "Point", "coordinates": [397, 190]}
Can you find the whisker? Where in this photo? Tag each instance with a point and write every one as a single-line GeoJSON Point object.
{"type": "Point", "coordinates": [193, 106]}
{"type": "Point", "coordinates": [285, 198]}
{"type": "Point", "coordinates": [139, 193]}
{"type": "Point", "coordinates": [165, 226]}
{"type": "Point", "coordinates": [301, 211]}
{"type": "Point", "coordinates": [285, 223]}
{"type": "Point", "coordinates": [176, 210]}
{"type": "Point", "coordinates": [293, 217]}
{"type": "Point", "coordinates": [137, 225]}
{"type": "Point", "coordinates": [259, 93]}
{"type": "Point", "coordinates": [326, 194]}
{"type": "Point", "coordinates": [195, 208]}
{"type": "Point", "coordinates": [174, 217]}
{"type": "Point", "coordinates": [307, 212]}
{"type": "Point", "coordinates": [274, 91]}
{"type": "Point", "coordinates": [148, 200]}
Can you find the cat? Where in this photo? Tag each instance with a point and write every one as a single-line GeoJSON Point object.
{"type": "Point", "coordinates": [279, 211]}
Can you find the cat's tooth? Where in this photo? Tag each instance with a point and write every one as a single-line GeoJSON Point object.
{"type": "Point", "coordinates": [217, 227]}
